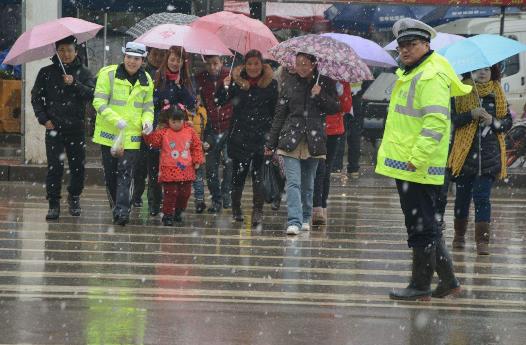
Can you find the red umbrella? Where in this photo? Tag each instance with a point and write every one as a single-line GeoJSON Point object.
{"type": "Point", "coordinates": [39, 42]}
{"type": "Point", "coordinates": [238, 32]}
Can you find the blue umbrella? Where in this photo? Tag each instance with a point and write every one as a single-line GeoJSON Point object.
{"type": "Point", "coordinates": [366, 18]}
{"type": "Point", "coordinates": [480, 51]}
{"type": "Point", "coordinates": [444, 14]}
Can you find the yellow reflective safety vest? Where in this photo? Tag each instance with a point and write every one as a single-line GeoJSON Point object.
{"type": "Point", "coordinates": [418, 124]}
{"type": "Point", "coordinates": [115, 99]}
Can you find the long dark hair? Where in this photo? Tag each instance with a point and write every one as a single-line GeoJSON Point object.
{"type": "Point", "coordinates": [184, 78]}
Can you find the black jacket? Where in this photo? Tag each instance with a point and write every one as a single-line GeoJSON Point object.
{"type": "Point", "coordinates": [63, 104]}
{"type": "Point", "coordinates": [299, 116]}
{"type": "Point", "coordinates": [253, 113]}
{"type": "Point", "coordinates": [491, 155]}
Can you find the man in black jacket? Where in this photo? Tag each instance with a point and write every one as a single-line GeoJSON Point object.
{"type": "Point", "coordinates": [58, 97]}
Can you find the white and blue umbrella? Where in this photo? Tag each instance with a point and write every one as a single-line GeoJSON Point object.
{"type": "Point", "coordinates": [480, 51]}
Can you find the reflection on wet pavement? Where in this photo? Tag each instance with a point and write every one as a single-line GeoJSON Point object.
{"type": "Point", "coordinates": [210, 281]}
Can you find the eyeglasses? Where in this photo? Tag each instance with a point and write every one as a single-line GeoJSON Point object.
{"type": "Point", "coordinates": [408, 45]}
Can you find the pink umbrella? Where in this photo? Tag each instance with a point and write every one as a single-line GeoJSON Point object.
{"type": "Point", "coordinates": [193, 40]}
{"type": "Point", "coordinates": [39, 42]}
{"type": "Point", "coordinates": [238, 31]}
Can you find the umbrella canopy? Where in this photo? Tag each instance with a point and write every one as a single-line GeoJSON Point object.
{"type": "Point", "coordinates": [370, 52]}
{"type": "Point", "coordinates": [39, 42]}
{"type": "Point", "coordinates": [441, 40]}
{"type": "Point", "coordinates": [238, 32]}
{"type": "Point", "coordinates": [191, 39]}
{"type": "Point", "coordinates": [444, 14]}
{"type": "Point", "coordinates": [480, 51]}
{"type": "Point", "coordinates": [335, 59]}
{"type": "Point", "coordinates": [157, 19]}
{"type": "Point", "coordinates": [367, 18]}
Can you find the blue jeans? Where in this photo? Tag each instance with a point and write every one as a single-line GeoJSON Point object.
{"type": "Point", "coordinates": [477, 188]}
{"type": "Point", "coordinates": [300, 175]}
{"type": "Point", "coordinates": [217, 154]}
{"type": "Point", "coordinates": [199, 184]}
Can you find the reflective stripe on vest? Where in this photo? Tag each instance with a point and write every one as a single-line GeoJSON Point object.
{"type": "Point", "coordinates": [410, 110]}
{"type": "Point", "coordinates": [392, 163]}
{"type": "Point", "coordinates": [431, 134]}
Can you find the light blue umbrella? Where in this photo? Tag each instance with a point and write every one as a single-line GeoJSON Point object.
{"type": "Point", "coordinates": [480, 51]}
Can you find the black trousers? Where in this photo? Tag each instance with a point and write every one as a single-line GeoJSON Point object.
{"type": "Point", "coordinates": [354, 137]}
{"type": "Point", "coordinates": [442, 196]}
{"type": "Point", "coordinates": [147, 166]}
{"type": "Point", "coordinates": [75, 148]}
{"type": "Point", "coordinates": [322, 181]}
{"type": "Point", "coordinates": [419, 204]}
{"type": "Point", "coordinates": [240, 170]}
{"type": "Point", "coordinates": [118, 176]}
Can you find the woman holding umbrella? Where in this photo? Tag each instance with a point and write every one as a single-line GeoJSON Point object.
{"type": "Point", "coordinates": [254, 94]}
{"type": "Point", "coordinates": [478, 156]}
{"type": "Point", "coordinates": [298, 133]}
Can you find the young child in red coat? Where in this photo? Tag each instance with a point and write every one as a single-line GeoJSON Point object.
{"type": "Point", "coordinates": [181, 155]}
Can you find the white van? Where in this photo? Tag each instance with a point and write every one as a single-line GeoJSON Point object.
{"type": "Point", "coordinates": [514, 68]}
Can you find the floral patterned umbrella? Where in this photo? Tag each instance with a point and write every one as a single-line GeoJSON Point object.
{"type": "Point", "coordinates": [336, 60]}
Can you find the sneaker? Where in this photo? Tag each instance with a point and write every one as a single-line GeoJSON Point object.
{"type": "Point", "coordinates": [293, 230]}
{"type": "Point", "coordinates": [121, 220]}
{"type": "Point", "coordinates": [154, 210]}
{"type": "Point", "coordinates": [305, 227]}
{"type": "Point", "coordinates": [354, 175]}
{"type": "Point", "coordinates": [276, 203]}
{"type": "Point", "coordinates": [227, 203]}
{"type": "Point", "coordinates": [200, 206]}
{"type": "Point", "coordinates": [137, 203]}
{"type": "Point", "coordinates": [237, 214]}
{"type": "Point", "coordinates": [215, 208]}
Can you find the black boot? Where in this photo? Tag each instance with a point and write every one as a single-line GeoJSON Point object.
{"type": "Point", "coordinates": [74, 205]}
{"type": "Point", "coordinates": [448, 284]}
{"type": "Point", "coordinates": [419, 289]}
{"type": "Point", "coordinates": [258, 201]}
{"type": "Point", "coordinates": [54, 209]}
{"type": "Point", "coordinates": [168, 220]}
{"type": "Point", "coordinates": [237, 213]}
{"type": "Point", "coordinates": [177, 215]}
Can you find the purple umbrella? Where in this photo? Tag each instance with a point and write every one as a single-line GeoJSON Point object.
{"type": "Point", "coordinates": [441, 40]}
{"type": "Point", "coordinates": [336, 60]}
{"type": "Point", "coordinates": [370, 52]}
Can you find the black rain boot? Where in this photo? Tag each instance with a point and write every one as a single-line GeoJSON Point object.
{"type": "Point", "coordinates": [448, 284]}
{"type": "Point", "coordinates": [54, 209]}
{"type": "Point", "coordinates": [237, 213]}
{"type": "Point", "coordinates": [258, 200]}
{"type": "Point", "coordinates": [177, 216]}
{"type": "Point", "coordinates": [168, 220]}
{"type": "Point", "coordinates": [74, 205]}
{"type": "Point", "coordinates": [419, 289]}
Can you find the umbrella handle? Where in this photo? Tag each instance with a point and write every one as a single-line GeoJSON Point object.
{"type": "Point", "coordinates": [61, 64]}
{"type": "Point", "coordinates": [318, 78]}
{"type": "Point", "coordinates": [231, 67]}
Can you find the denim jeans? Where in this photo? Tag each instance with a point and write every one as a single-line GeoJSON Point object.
{"type": "Point", "coordinates": [300, 175]}
{"type": "Point", "coordinates": [217, 154]}
{"type": "Point", "coordinates": [477, 188]}
{"type": "Point", "coordinates": [199, 184]}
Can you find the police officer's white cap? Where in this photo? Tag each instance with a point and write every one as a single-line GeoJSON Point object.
{"type": "Point", "coordinates": [135, 49]}
{"type": "Point", "coordinates": [408, 29]}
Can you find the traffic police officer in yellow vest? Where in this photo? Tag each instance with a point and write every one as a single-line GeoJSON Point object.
{"type": "Point", "coordinates": [123, 100]}
{"type": "Point", "coordinates": [414, 151]}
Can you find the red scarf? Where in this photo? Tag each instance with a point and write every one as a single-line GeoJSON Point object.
{"type": "Point", "coordinates": [173, 76]}
{"type": "Point", "coordinates": [253, 81]}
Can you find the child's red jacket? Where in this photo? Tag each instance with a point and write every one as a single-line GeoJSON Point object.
{"type": "Point", "coordinates": [180, 151]}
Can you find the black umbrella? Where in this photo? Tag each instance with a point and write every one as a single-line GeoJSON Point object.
{"type": "Point", "coordinates": [158, 19]}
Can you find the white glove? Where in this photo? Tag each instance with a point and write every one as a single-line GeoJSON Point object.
{"type": "Point", "coordinates": [147, 128]}
{"type": "Point", "coordinates": [121, 124]}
